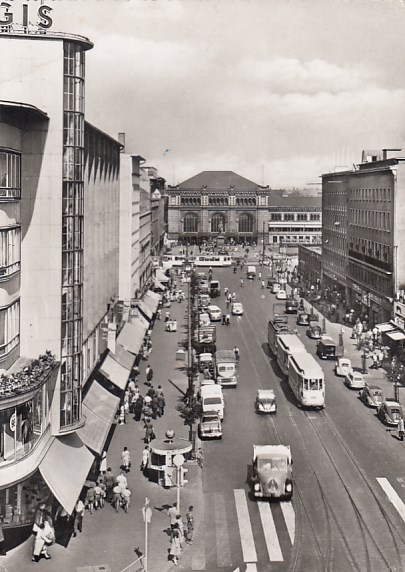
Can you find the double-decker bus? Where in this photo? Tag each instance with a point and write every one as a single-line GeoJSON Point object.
{"type": "Point", "coordinates": [288, 344]}
{"type": "Point", "coordinates": [307, 380]}
{"type": "Point", "coordinates": [278, 325]}
{"type": "Point", "coordinates": [213, 260]}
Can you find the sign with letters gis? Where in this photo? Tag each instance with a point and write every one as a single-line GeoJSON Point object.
{"type": "Point", "coordinates": [7, 16]}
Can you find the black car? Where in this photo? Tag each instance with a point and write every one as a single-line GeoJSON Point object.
{"type": "Point", "coordinates": [327, 349]}
{"type": "Point", "coordinates": [291, 306]}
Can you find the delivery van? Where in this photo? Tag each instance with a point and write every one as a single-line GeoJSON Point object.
{"type": "Point", "coordinates": [212, 399]}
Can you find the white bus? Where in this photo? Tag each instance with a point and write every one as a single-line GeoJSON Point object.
{"type": "Point", "coordinates": [213, 260]}
{"type": "Point", "coordinates": [287, 344]}
{"type": "Point", "coordinates": [307, 380]}
{"type": "Point", "coordinates": [169, 260]}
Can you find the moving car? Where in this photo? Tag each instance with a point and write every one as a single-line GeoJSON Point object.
{"type": "Point", "coordinates": [265, 401]}
{"type": "Point", "coordinates": [281, 295]}
{"type": "Point", "coordinates": [237, 309]}
{"type": "Point", "coordinates": [314, 332]}
{"type": "Point", "coordinates": [272, 472]}
{"type": "Point", "coordinates": [390, 412]}
{"type": "Point", "coordinates": [210, 426]}
{"type": "Point", "coordinates": [212, 399]}
{"type": "Point", "coordinates": [354, 380]}
{"type": "Point", "coordinates": [215, 288]}
{"type": "Point", "coordinates": [214, 313]}
{"type": "Point", "coordinates": [204, 287]}
{"type": "Point", "coordinates": [204, 300]}
{"type": "Point", "coordinates": [372, 395]}
{"type": "Point", "coordinates": [251, 272]}
{"type": "Point", "coordinates": [327, 349]}
{"type": "Point", "coordinates": [343, 367]}
{"type": "Point", "coordinates": [226, 368]}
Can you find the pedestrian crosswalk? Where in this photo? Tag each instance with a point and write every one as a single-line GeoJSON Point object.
{"type": "Point", "coordinates": [240, 530]}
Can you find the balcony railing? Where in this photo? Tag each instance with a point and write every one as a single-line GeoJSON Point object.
{"type": "Point", "coordinates": [370, 260]}
{"type": "Point", "coordinates": [29, 378]}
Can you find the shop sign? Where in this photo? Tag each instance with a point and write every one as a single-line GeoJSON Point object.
{"type": "Point", "coordinates": [7, 17]}
{"type": "Point", "coordinates": [13, 422]}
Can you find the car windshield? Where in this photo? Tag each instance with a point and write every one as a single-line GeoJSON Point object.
{"type": "Point", "coordinates": [357, 377]}
{"type": "Point", "coordinates": [266, 400]}
{"type": "Point", "coordinates": [376, 392]}
{"type": "Point", "coordinates": [273, 464]}
{"type": "Point", "coordinates": [395, 411]}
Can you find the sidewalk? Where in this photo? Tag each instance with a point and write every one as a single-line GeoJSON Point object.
{"type": "Point", "coordinates": [109, 538]}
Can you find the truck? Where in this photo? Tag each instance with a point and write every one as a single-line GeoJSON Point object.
{"type": "Point", "coordinates": [210, 426]}
{"type": "Point", "coordinates": [226, 368]}
{"type": "Point", "coordinates": [272, 472]}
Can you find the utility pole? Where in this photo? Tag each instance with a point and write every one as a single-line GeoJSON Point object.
{"type": "Point", "coordinates": [189, 348]}
{"type": "Point", "coordinates": [264, 246]}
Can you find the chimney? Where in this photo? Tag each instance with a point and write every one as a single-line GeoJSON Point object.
{"type": "Point", "coordinates": [121, 139]}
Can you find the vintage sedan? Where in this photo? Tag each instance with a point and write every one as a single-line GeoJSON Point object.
{"type": "Point", "coordinates": [237, 309]}
{"type": "Point", "coordinates": [265, 401]}
{"type": "Point", "coordinates": [343, 367]}
{"type": "Point", "coordinates": [214, 313]}
{"type": "Point", "coordinates": [354, 380]}
{"type": "Point", "coordinates": [390, 412]}
{"type": "Point", "coordinates": [371, 395]}
{"type": "Point", "coordinates": [303, 319]}
{"type": "Point", "coordinates": [281, 295]}
{"type": "Point", "coordinates": [314, 332]}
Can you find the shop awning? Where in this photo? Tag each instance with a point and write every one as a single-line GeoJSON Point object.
{"type": "Point", "coordinates": [131, 336]}
{"type": "Point", "coordinates": [397, 336]}
{"type": "Point", "coordinates": [114, 371]}
{"type": "Point", "coordinates": [124, 358]}
{"type": "Point", "coordinates": [161, 276]}
{"type": "Point", "coordinates": [386, 327]}
{"type": "Point", "coordinates": [152, 300]}
{"type": "Point", "coordinates": [158, 284]}
{"type": "Point", "coordinates": [99, 408]}
{"type": "Point", "coordinates": [146, 311]}
{"type": "Point", "coordinates": [65, 468]}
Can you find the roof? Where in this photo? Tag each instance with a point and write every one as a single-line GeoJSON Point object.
{"type": "Point", "coordinates": [263, 393]}
{"type": "Point", "coordinates": [277, 200]}
{"type": "Point", "coordinates": [270, 450]}
{"type": "Point", "coordinates": [216, 180]}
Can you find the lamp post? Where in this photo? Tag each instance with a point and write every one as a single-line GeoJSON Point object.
{"type": "Point", "coordinates": [264, 246]}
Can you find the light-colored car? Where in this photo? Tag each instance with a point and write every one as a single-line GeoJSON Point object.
{"type": "Point", "coordinates": [354, 380]}
{"type": "Point", "coordinates": [237, 309]}
{"type": "Point", "coordinates": [204, 319]}
{"type": "Point", "coordinates": [371, 395]}
{"type": "Point", "coordinates": [343, 367]}
{"type": "Point", "coordinates": [390, 412]}
{"type": "Point", "coordinates": [214, 313]}
{"type": "Point", "coordinates": [281, 295]}
{"type": "Point", "coordinates": [265, 401]}
{"type": "Point", "coordinates": [210, 426]}
{"type": "Point", "coordinates": [275, 287]}
{"type": "Point", "coordinates": [314, 332]}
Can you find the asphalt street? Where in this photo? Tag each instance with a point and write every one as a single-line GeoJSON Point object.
{"type": "Point", "coordinates": [345, 466]}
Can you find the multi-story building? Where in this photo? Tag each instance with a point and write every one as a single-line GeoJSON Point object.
{"type": "Point", "coordinates": [218, 203]}
{"type": "Point", "coordinates": [59, 214]}
{"type": "Point", "coordinates": [294, 219]}
{"type": "Point", "coordinates": [310, 265]}
{"type": "Point", "coordinates": [375, 233]}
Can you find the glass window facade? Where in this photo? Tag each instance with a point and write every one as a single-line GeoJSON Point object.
{"type": "Point", "coordinates": [72, 235]}
{"type": "Point", "coordinates": [245, 223]}
{"type": "Point", "coordinates": [9, 328]}
{"type": "Point", "coordinates": [10, 250]}
{"type": "Point", "coordinates": [190, 223]}
{"type": "Point", "coordinates": [218, 223]}
{"type": "Point", "coordinates": [10, 174]}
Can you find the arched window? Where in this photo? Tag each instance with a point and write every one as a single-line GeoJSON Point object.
{"type": "Point", "coordinates": [190, 222]}
{"type": "Point", "coordinates": [218, 223]}
{"type": "Point", "coordinates": [245, 223]}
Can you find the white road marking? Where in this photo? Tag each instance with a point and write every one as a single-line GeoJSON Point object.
{"type": "Point", "coordinates": [270, 533]}
{"type": "Point", "coordinates": [392, 496]}
{"type": "Point", "coordinates": [251, 567]}
{"type": "Point", "coordinates": [245, 527]}
{"type": "Point", "coordinates": [224, 558]}
{"type": "Point", "coordinates": [289, 517]}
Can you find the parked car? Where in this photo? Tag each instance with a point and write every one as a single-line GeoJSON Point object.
{"type": "Point", "coordinates": [214, 313]}
{"type": "Point", "coordinates": [275, 287]}
{"type": "Point", "coordinates": [237, 309]}
{"type": "Point", "coordinates": [210, 426]}
{"type": "Point", "coordinates": [327, 349]}
{"type": "Point", "coordinates": [281, 295]}
{"type": "Point", "coordinates": [390, 412]}
{"type": "Point", "coordinates": [265, 401]}
{"type": "Point", "coordinates": [314, 332]}
{"type": "Point", "coordinates": [303, 319]}
{"type": "Point", "coordinates": [291, 306]}
{"type": "Point", "coordinates": [204, 300]}
{"type": "Point", "coordinates": [204, 319]}
{"type": "Point", "coordinates": [354, 380]}
{"type": "Point", "coordinates": [372, 395]}
{"type": "Point", "coordinates": [343, 366]}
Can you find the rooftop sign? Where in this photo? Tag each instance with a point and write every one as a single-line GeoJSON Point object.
{"type": "Point", "coordinates": [7, 16]}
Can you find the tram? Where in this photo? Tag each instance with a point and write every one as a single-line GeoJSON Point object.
{"type": "Point", "coordinates": [169, 260]}
{"type": "Point", "coordinates": [307, 380]}
{"type": "Point", "coordinates": [288, 344]}
{"type": "Point", "coordinates": [213, 260]}
{"type": "Point", "coordinates": [278, 325]}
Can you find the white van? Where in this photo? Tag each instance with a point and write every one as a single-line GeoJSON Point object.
{"type": "Point", "coordinates": [251, 272]}
{"type": "Point", "coordinates": [212, 399]}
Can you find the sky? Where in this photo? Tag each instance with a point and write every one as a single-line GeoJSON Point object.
{"type": "Point", "coordinates": [279, 91]}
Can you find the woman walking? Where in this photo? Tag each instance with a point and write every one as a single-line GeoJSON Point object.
{"type": "Point", "coordinates": [175, 548]}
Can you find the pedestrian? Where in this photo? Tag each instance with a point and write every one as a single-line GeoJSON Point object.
{"type": "Point", "coordinates": [190, 524]}
{"type": "Point", "coordinates": [161, 401]}
{"type": "Point", "coordinates": [236, 352]}
{"type": "Point", "coordinates": [109, 481]}
{"type": "Point", "coordinates": [103, 463]}
{"type": "Point", "coordinates": [138, 408]}
{"type": "Point", "coordinates": [241, 282]}
{"type": "Point", "coordinates": [223, 315]}
{"type": "Point", "coordinates": [228, 320]}
{"type": "Point", "coordinates": [89, 502]}
{"type": "Point", "coordinates": [260, 275]}
{"type": "Point", "coordinates": [126, 499]}
{"type": "Point", "coordinates": [375, 360]}
{"type": "Point", "coordinates": [167, 316]}
{"type": "Point", "coordinates": [172, 513]}
{"type": "Point", "coordinates": [158, 314]}
{"type": "Point", "coordinates": [145, 459]}
{"type": "Point", "coordinates": [180, 524]}
{"type": "Point", "coordinates": [155, 407]}
{"type": "Point", "coordinates": [126, 460]}
{"type": "Point", "coordinates": [78, 514]}
{"type": "Point", "coordinates": [149, 375]}
{"type": "Point", "coordinates": [45, 536]}
{"type": "Point", "coordinates": [121, 419]}
{"type": "Point", "coordinates": [149, 431]}
{"type": "Point", "coordinates": [263, 284]}
{"type": "Point", "coordinates": [116, 499]}
{"type": "Point", "coordinates": [175, 547]}
{"type": "Point", "coordinates": [98, 491]}
{"type": "Point", "coordinates": [401, 428]}
{"type": "Point", "coordinates": [121, 480]}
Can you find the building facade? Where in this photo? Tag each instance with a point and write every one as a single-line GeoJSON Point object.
{"type": "Point", "coordinates": [310, 265]}
{"type": "Point", "coordinates": [375, 232]}
{"type": "Point", "coordinates": [294, 219]}
{"type": "Point", "coordinates": [217, 203]}
{"type": "Point", "coordinates": [59, 215]}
